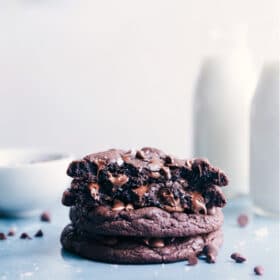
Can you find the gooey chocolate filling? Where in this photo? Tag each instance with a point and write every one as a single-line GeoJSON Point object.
{"type": "Point", "coordinates": [143, 178]}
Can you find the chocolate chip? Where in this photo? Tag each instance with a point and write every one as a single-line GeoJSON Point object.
{"type": "Point", "coordinates": [45, 217]}
{"type": "Point", "coordinates": [168, 160]}
{"type": "Point", "coordinates": [2, 236]}
{"type": "Point", "coordinates": [140, 191]}
{"type": "Point", "coordinates": [118, 180]}
{"type": "Point", "coordinates": [11, 232]}
{"type": "Point", "coordinates": [39, 233]}
{"type": "Point", "coordinates": [129, 207]}
{"type": "Point", "coordinates": [166, 172]}
{"type": "Point", "coordinates": [100, 163]}
{"type": "Point", "coordinates": [155, 165]}
{"type": "Point", "coordinates": [155, 175]}
{"type": "Point", "coordinates": [24, 235]}
{"type": "Point", "coordinates": [192, 259]}
{"type": "Point", "coordinates": [211, 253]}
{"type": "Point", "coordinates": [94, 190]}
{"type": "Point", "coordinates": [188, 164]}
{"type": "Point", "coordinates": [156, 242]}
{"type": "Point", "coordinates": [140, 154]}
{"type": "Point", "coordinates": [259, 270]}
{"type": "Point", "coordinates": [242, 220]}
{"type": "Point", "coordinates": [198, 205]}
{"type": "Point", "coordinates": [211, 211]}
{"type": "Point", "coordinates": [118, 205]}
{"type": "Point", "coordinates": [238, 258]}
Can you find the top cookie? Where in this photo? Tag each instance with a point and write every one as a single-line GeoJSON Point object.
{"type": "Point", "coordinates": [144, 178]}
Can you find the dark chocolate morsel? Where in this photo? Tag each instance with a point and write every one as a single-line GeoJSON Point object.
{"type": "Point", "coordinates": [259, 270]}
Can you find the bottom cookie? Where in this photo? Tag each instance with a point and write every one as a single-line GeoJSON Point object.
{"type": "Point", "coordinates": [136, 251]}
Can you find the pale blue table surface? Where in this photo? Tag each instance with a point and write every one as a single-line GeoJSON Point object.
{"type": "Point", "coordinates": [43, 258]}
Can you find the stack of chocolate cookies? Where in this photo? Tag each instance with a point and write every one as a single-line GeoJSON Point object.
{"type": "Point", "coordinates": [143, 206]}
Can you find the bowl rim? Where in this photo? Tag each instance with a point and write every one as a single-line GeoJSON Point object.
{"type": "Point", "coordinates": [59, 157]}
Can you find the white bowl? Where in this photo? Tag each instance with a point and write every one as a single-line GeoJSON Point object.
{"type": "Point", "coordinates": [31, 180]}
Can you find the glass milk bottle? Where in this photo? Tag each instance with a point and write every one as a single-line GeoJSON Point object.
{"type": "Point", "coordinates": [221, 115]}
{"type": "Point", "coordinates": [264, 152]}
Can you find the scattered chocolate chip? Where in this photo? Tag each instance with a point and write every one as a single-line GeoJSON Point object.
{"type": "Point", "coordinates": [211, 253]}
{"type": "Point", "coordinates": [11, 232]}
{"type": "Point", "coordinates": [192, 260]}
{"type": "Point", "coordinates": [259, 270]}
{"type": "Point", "coordinates": [156, 242]}
{"type": "Point", "coordinates": [238, 258]}
{"type": "Point", "coordinates": [39, 233]}
{"type": "Point", "coordinates": [45, 217]}
{"type": "Point", "coordinates": [118, 205]}
{"type": "Point", "coordinates": [24, 235]}
{"type": "Point", "coordinates": [242, 220]}
{"type": "Point", "coordinates": [2, 236]}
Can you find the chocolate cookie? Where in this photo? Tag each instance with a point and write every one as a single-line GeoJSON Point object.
{"type": "Point", "coordinates": [143, 206]}
{"type": "Point", "coordinates": [136, 251]}
{"type": "Point", "coordinates": [145, 178]}
{"type": "Point", "coordinates": [148, 222]}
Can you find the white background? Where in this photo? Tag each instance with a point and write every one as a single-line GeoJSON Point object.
{"type": "Point", "coordinates": [87, 75]}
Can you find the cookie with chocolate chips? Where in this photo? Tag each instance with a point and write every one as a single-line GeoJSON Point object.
{"type": "Point", "coordinates": [136, 250]}
{"type": "Point", "coordinates": [147, 222]}
{"type": "Point", "coordinates": [144, 193]}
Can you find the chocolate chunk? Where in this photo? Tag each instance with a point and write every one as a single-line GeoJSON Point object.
{"type": "Point", "coordinates": [140, 191]}
{"type": "Point", "coordinates": [211, 253]}
{"type": "Point", "coordinates": [155, 175]}
{"type": "Point", "coordinates": [192, 259]}
{"type": "Point", "coordinates": [198, 205]}
{"type": "Point", "coordinates": [259, 270]}
{"type": "Point", "coordinates": [211, 211]}
{"type": "Point", "coordinates": [238, 257]}
{"type": "Point", "coordinates": [24, 235]}
{"type": "Point", "coordinates": [45, 217]}
{"type": "Point", "coordinates": [11, 232]}
{"type": "Point", "coordinates": [168, 160]}
{"type": "Point", "coordinates": [2, 236]}
{"type": "Point", "coordinates": [94, 190]}
{"type": "Point", "coordinates": [156, 242]}
{"type": "Point", "coordinates": [166, 172]}
{"type": "Point", "coordinates": [118, 180]}
{"type": "Point", "coordinates": [242, 220]}
{"type": "Point", "coordinates": [140, 154]}
{"type": "Point", "coordinates": [129, 207]}
{"type": "Point", "coordinates": [118, 205]}
{"type": "Point", "coordinates": [39, 233]}
{"type": "Point", "coordinates": [155, 165]}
